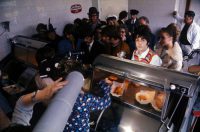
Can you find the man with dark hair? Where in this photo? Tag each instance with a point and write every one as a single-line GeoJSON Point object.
{"type": "Point", "coordinates": [133, 23]}
{"type": "Point", "coordinates": [94, 20]}
{"type": "Point", "coordinates": [123, 15]}
{"type": "Point", "coordinates": [91, 47]}
{"type": "Point", "coordinates": [190, 34]}
{"type": "Point", "coordinates": [118, 47]}
{"type": "Point", "coordinates": [69, 43]}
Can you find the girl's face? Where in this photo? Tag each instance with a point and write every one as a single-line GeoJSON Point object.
{"type": "Point", "coordinates": [122, 33]}
{"type": "Point", "coordinates": [141, 44]}
{"type": "Point", "coordinates": [165, 39]}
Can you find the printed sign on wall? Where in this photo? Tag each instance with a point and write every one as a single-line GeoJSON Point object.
{"type": "Point", "coordinates": [76, 8]}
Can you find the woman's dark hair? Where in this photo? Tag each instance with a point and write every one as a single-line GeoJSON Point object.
{"type": "Point", "coordinates": [87, 31]}
{"type": "Point", "coordinates": [68, 29]}
{"type": "Point", "coordinates": [108, 31]}
{"type": "Point", "coordinates": [143, 31]}
{"type": "Point", "coordinates": [176, 31]}
{"type": "Point", "coordinates": [172, 31]}
{"type": "Point", "coordinates": [115, 32]}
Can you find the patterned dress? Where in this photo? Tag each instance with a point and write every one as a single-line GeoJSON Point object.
{"type": "Point", "coordinates": [85, 103]}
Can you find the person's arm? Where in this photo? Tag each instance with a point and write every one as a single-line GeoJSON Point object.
{"type": "Point", "coordinates": [100, 103]}
{"type": "Point", "coordinates": [178, 17]}
{"type": "Point", "coordinates": [196, 39]}
{"type": "Point", "coordinates": [194, 69]}
{"type": "Point", "coordinates": [24, 106]}
{"type": "Point", "coordinates": [4, 120]}
{"type": "Point", "coordinates": [44, 94]}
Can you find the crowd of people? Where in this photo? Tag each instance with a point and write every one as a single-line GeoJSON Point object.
{"type": "Point", "coordinates": [128, 38]}
{"type": "Point", "coordinates": [117, 36]}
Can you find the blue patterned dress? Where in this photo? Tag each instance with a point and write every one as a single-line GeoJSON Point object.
{"type": "Point", "coordinates": [85, 103]}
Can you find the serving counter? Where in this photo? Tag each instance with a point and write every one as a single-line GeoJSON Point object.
{"type": "Point", "coordinates": [152, 98]}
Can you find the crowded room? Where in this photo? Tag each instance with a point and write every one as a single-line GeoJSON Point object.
{"type": "Point", "coordinates": [99, 66]}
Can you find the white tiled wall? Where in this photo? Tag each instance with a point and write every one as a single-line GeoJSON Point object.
{"type": "Point", "coordinates": [24, 15]}
{"type": "Point", "coordinates": [159, 12]}
{"type": "Point", "coordinates": [195, 6]}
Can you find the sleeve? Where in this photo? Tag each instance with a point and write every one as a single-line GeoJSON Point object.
{"type": "Point", "coordinates": [100, 103]}
{"type": "Point", "coordinates": [22, 114]}
{"type": "Point", "coordinates": [196, 38]}
{"type": "Point", "coordinates": [156, 61]}
{"type": "Point", "coordinates": [179, 19]}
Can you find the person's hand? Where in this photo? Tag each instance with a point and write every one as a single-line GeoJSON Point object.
{"type": "Point", "coordinates": [174, 13]}
{"type": "Point", "coordinates": [108, 81]}
{"type": "Point", "coordinates": [48, 92]}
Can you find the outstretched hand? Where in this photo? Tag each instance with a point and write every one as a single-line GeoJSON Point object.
{"type": "Point", "coordinates": [174, 13]}
{"type": "Point", "coordinates": [49, 91]}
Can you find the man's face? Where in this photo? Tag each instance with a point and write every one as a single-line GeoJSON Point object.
{"type": "Point", "coordinates": [188, 19]}
{"type": "Point", "coordinates": [141, 43]}
{"type": "Point", "coordinates": [105, 39]}
{"type": "Point", "coordinates": [88, 40]}
{"type": "Point", "coordinates": [142, 22]}
{"type": "Point", "coordinates": [133, 16]}
{"type": "Point", "coordinates": [94, 18]}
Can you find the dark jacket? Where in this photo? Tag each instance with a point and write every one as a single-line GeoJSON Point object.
{"type": "Point", "coordinates": [96, 50]}
{"type": "Point", "coordinates": [132, 26]}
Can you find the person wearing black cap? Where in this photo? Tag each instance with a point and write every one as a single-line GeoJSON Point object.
{"type": "Point", "coordinates": [94, 20]}
{"type": "Point", "coordinates": [133, 22]}
{"type": "Point", "coordinates": [190, 34]}
{"type": "Point", "coordinates": [122, 17]}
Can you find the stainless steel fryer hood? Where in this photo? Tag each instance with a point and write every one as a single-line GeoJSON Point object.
{"type": "Point", "coordinates": [170, 79]}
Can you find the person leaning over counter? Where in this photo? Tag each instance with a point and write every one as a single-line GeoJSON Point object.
{"type": "Point", "coordinates": [24, 107]}
{"type": "Point", "coordinates": [86, 103]}
{"type": "Point", "coordinates": [143, 53]}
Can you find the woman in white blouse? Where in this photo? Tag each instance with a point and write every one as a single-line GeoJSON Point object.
{"type": "Point", "coordinates": [170, 50]}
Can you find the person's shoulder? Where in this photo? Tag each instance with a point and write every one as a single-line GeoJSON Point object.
{"type": "Point", "coordinates": [176, 50]}
{"type": "Point", "coordinates": [64, 41]}
{"type": "Point", "coordinates": [196, 26]}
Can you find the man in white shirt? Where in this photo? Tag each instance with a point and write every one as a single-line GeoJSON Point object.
{"type": "Point", "coordinates": [190, 34]}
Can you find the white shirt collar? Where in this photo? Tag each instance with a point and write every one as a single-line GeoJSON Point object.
{"type": "Point", "coordinates": [144, 54]}
{"type": "Point", "coordinates": [90, 45]}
